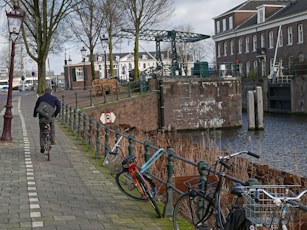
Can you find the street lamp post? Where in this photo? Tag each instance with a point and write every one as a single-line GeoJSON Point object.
{"type": "Point", "coordinates": [15, 20]}
{"type": "Point", "coordinates": [69, 75]}
{"type": "Point", "coordinates": [83, 53]}
{"type": "Point", "coordinates": [104, 43]}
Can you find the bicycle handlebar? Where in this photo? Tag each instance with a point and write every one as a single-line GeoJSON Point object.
{"type": "Point", "coordinates": [239, 153]}
{"type": "Point", "coordinates": [276, 198]}
{"type": "Point", "coordinates": [298, 205]}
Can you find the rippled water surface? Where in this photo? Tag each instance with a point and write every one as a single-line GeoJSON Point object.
{"type": "Point", "coordinates": [282, 144]}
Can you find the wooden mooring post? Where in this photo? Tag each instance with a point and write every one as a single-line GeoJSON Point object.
{"type": "Point", "coordinates": [255, 109]}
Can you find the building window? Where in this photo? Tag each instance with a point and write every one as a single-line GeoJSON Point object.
{"type": "Point", "coordinates": [271, 40]}
{"type": "Point", "coordinates": [290, 36]}
{"type": "Point", "coordinates": [219, 49]}
{"type": "Point", "coordinates": [225, 48]}
{"type": "Point", "coordinates": [79, 74]}
{"type": "Point", "coordinates": [260, 15]}
{"type": "Point", "coordinates": [230, 22]}
{"type": "Point", "coordinates": [254, 42]}
{"type": "Point", "coordinates": [256, 67]}
{"type": "Point", "coordinates": [218, 27]}
{"type": "Point", "coordinates": [263, 68]}
{"type": "Point", "coordinates": [240, 44]}
{"type": "Point", "coordinates": [247, 44]}
{"type": "Point", "coordinates": [224, 24]}
{"type": "Point", "coordinates": [262, 41]}
{"type": "Point", "coordinates": [281, 39]}
{"type": "Point", "coordinates": [301, 58]}
{"type": "Point", "coordinates": [300, 36]}
{"type": "Point", "coordinates": [232, 46]}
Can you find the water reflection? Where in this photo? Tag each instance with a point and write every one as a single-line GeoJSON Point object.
{"type": "Point", "coordinates": [282, 144]}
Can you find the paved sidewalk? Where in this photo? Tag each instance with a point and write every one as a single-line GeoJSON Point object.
{"type": "Point", "coordinates": [68, 192]}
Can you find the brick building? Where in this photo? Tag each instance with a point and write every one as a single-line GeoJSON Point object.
{"type": "Point", "coordinates": [248, 36]}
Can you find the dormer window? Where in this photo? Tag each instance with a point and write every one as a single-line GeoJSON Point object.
{"type": "Point", "coordinates": [261, 14]}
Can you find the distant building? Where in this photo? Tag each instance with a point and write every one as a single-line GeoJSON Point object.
{"type": "Point", "coordinates": [247, 36]}
{"type": "Point", "coordinates": [123, 64]}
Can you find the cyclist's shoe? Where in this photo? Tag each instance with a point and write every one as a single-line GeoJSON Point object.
{"type": "Point", "coordinates": [42, 149]}
{"type": "Point", "coordinates": [53, 143]}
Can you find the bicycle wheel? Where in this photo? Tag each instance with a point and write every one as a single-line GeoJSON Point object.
{"type": "Point", "coordinates": [125, 183]}
{"type": "Point", "coordinates": [192, 211]}
{"type": "Point", "coordinates": [150, 193]}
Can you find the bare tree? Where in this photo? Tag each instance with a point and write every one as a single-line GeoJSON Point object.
{"type": "Point", "coordinates": [86, 24]}
{"type": "Point", "coordinates": [144, 15]}
{"type": "Point", "coordinates": [113, 11]}
{"type": "Point", "coordinates": [41, 30]}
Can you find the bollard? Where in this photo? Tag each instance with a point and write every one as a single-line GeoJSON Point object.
{"type": "Point", "coordinates": [75, 121]}
{"type": "Point", "coordinates": [251, 110]}
{"type": "Point", "coordinates": [106, 139]}
{"type": "Point", "coordinates": [97, 153]}
{"type": "Point", "coordinates": [130, 146]}
{"type": "Point", "coordinates": [259, 112]}
{"type": "Point", "coordinates": [168, 208]}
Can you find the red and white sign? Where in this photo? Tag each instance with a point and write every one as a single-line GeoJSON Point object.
{"type": "Point", "coordinates": [107, 118]}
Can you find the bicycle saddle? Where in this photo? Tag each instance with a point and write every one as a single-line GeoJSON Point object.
{"type": "Point", "coordinates": [129, 159]}
{"type": "Point", "coordinates": [237, 190]}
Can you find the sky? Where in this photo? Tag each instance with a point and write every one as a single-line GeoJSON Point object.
{"type": "Point", "coordinates": [197, 13]}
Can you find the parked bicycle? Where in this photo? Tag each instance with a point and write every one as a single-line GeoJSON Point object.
{"type": "Point", "coordinates": [200, 207]}
{"type": "Point", "coordinates": [271, 206]}
{"type": "Point", "coordinates": [47, 141]}
{"type": "Point", "coordinates": [133, 180]}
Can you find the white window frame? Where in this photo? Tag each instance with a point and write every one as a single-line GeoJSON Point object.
{"type": "Point", "coordinates": [230, 21]}
{"type": "Point", "coordinates": [224, 24]}
{"type": "Point", "coordinates": [247, 45]}
{"type": "Point", "coordinates": [218, 27]}
{"type": "Point", "coordinates": [281, 39]}
{"type": "Point", "coordinates": [79, 74]}
{"type": "Point", "coordinates": [219, 49]}
{"type": "Point", "coordinates": [240, 45]}
{"type": "Point", "coordinates": [255, 43]}
{"type": "Point", "coordinates": [290, 36]}
{"type": "Point", "coordinates": [271, 40]}
{"type": "Point", "coordinates": [261, 14]}
{"type": "Point", "coordinates": [232, 46]}
{"type": "Point", "coordinates": [300, 34]}
{"type": "Point", "coordinates": [225, 48]}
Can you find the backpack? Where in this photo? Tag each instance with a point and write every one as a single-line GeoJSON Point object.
{"type": "Point", "coordinates": [45, 110]}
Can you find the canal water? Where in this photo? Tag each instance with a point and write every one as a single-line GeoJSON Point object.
{"type": "Point", "coordinates": [282, 144]}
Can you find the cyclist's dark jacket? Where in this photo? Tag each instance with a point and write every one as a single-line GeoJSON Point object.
{"type": "Point", "coordinates": [237, 221]}
{"type": "Point", "coordinates": [50, 99]}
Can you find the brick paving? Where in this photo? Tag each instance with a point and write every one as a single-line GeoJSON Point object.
{"type": "Point", "coordinates": [69, 192]}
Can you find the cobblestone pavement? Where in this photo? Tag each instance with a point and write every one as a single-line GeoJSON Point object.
{"type": "Point", "coordinates": [69, 192]}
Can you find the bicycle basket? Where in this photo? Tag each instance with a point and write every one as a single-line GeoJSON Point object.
{"type": "Point", "coordinates": [265, 212]}
{"type": "Point", "coordinates": [207, 187]}
{"type": "Point", "coordinates": [113, 162]}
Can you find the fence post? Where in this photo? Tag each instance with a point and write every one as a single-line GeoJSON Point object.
{"type": "Point", "coordinates": [117, 136]}
{"type": "Point", "coordinates": [130, 146]}
{"type": "Point", "coordinates": [69, 122]}
{"type": "Point", "coordinates": [79, 123]}
{"type": "Point", "coordinates": [74, 123]}
{"type": "Point", "coordinates": [76, 98]}
{"type": "Point", "coordinates": [84, 129]}
{"type": "Point", "coordinates": [168, 208]}
{"type": "Point", "coordinates": [106, 140]}
{"type": "Point", "coordinates": [129, 89]}
{"type": "Point", "coordinates": [202, 166]}
{"type": "Point", "coordinates": [147, 152]}
{"type": "Point", "coordinates": [97, 154]}
{"type": "Point", "coordinates": [66, 114]}
{"type": "Point", "coordinates": [90, 134]}
{"type": "Point", "coordinates": [62, 109]}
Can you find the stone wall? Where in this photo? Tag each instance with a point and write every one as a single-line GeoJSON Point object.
{"type": "Point", "coordinates": [139, 111]}
{"type": "Point", "coordinates": [195, 103]}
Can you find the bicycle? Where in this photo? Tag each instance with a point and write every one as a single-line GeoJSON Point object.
{"type": "Point", "coordinates": [47, 140]}
{"type": "Point", "coordinates": [132, 180]}
{"type": "Point", "coordinates": [271, 206]}
{"type": "Point", "coordinates": [200, 207]}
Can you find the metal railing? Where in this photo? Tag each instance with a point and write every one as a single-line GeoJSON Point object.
{"type": "Point", "coordinates": [98, 138]}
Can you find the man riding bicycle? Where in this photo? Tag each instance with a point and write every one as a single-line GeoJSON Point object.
{"type": "Point", "coordinates": [47, 97]}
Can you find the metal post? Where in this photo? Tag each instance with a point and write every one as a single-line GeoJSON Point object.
{"type": "Point", "coordinates": [106, 140]}
{"type": "Point", "coordinates": [168, 208]}
{"type": "Point", "coordinates": [97, 153]}
{"type": "Point", "coordinates": [130, 146]}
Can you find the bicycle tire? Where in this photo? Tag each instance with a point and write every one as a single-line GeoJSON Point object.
{"type": "Point", "coordinates": [150, 193]}
{"type": "Point", "coordinates": [192, 211]}
{"type": "Point", "coordinates": [125, 183]}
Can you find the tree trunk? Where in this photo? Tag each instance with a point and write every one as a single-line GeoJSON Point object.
{"type": "Point", "coordinates": [41, 71]}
